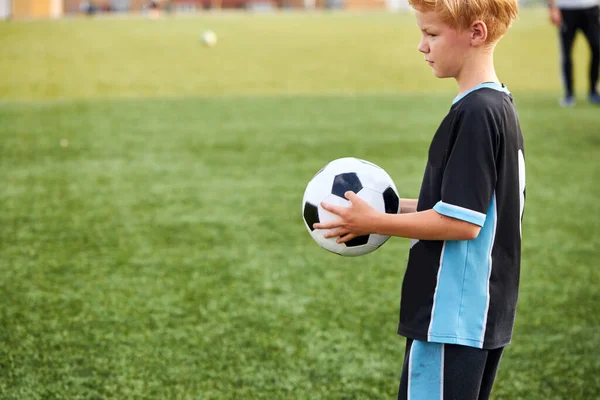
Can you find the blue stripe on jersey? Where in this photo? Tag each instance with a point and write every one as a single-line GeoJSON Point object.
{"type": "Point", "coordinates": [461, 213]}
{"type": "Point", "coordinates": [489, 85]}
{"type": "Point", "coordinates": [425, 371]}
{"type": "Point", "coordinates": [461, 298]}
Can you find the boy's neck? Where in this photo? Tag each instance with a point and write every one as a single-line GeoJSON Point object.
{"type": "Point", "coordinates": [476, 70]}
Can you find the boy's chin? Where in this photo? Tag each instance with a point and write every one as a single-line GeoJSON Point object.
{"type": "Point", "coordinates": [441, 74]}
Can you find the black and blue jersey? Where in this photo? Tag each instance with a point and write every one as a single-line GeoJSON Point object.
{"type": "Point", "coordinates": [465, 292]}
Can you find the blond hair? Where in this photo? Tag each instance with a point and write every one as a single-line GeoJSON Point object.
{"type": "Point", "coordinates": [460, 14]}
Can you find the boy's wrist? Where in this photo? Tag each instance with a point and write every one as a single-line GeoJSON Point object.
{"type": "Point", "coordinates": [387, 224]}
{"type": "Point", "coordinates": [379, 223]}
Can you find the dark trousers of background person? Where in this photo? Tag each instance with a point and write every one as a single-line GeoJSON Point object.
{"type": "Point", "coordinates": [588, 20]}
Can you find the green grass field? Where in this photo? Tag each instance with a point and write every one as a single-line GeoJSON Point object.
{"type": "Point", "coordinates": [161, 254]}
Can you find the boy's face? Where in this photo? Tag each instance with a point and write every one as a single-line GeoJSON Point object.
{"type": "Point", "coordinates": [444, 47]}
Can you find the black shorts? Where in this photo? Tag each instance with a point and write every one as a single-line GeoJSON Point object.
{"type": "Point", "coordinates": [435, 371]}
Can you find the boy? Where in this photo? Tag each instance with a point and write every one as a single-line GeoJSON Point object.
{"type": "Point", "coordinates": [459, 292]}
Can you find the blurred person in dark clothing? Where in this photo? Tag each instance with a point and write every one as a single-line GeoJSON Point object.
{"type": "Point", "coordinates": [571, 16]}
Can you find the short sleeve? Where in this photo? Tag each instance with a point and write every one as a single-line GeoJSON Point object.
{"type": "Point", "coordinates": [469, 177]}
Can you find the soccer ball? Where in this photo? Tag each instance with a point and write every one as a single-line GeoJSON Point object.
{"type": "Point", "coordinates": [209, 38]}
{"type": "Point", "coordinates": [369, 181]}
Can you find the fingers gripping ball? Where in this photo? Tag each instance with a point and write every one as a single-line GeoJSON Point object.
{"type": "Point", "coordinates": [370, 182]}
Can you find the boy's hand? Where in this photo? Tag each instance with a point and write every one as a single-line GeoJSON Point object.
{"type": "Point", "coordinates": [355, 220]}
{"type": "Point", "coordinates": [555, 16]}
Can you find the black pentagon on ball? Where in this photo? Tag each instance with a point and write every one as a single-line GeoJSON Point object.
{"type": "Point", "coordinates": [343, 183]}
{"type": "Point", "coordinates": [311, 215]}
{"type": "Point", "coordinates": [391, 201]}
{"type": "Point", "coordinates": [358, 241]}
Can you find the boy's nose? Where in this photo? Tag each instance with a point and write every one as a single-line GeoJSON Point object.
{"type": "Point", "coordinates": [423, 48]}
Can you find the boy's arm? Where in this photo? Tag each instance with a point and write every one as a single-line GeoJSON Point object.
{"type": "Point", "coordinates": [555, 16]}
{"type": "Point", "coordinates": [408, 206]}
{"type": "Point", "coordinates": [361, 219]}
{"type": "Point", "coordinates": [425, 225]}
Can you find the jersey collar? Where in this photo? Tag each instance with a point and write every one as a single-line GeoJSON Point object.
{"type": "Point", "coordinates": [489, 85]}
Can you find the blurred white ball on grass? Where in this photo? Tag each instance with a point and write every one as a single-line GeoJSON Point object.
{"type": "Point", "coordinates": [209, 38]}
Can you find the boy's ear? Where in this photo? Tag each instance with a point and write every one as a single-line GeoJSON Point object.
{"type": "Point", "coordinates": [479, 33]}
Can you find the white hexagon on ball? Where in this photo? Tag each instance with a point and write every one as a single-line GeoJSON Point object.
{"type": "Point", "coordinates": [369, 181]}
